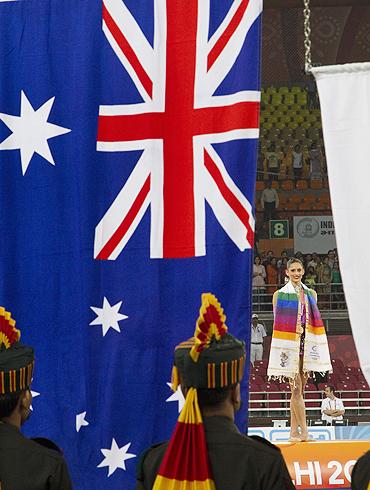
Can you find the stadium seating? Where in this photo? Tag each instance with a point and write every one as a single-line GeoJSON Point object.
{"type": "Point", "coordinates": [272, 399]}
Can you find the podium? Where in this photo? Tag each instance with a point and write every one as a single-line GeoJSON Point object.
{"type": "Point", "coordinates": [322, 464]}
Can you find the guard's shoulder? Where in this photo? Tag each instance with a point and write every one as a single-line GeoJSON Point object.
{"type": "Point", "coordinates": [262, 445]}
{"type": "Point", "coordinates": [147, 455]}
{"type": "Point", "coordinates": [265, 442]}
{"type": "Point", "coordinates": [48, 454]}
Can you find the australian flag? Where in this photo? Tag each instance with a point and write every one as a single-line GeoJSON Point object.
{"type": "Point", "coordinates": [128, 141]}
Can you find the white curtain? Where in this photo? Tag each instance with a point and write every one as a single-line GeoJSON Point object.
{"type": "Point", "coordinates": [344, 92]}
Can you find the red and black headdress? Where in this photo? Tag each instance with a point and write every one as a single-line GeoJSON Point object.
{"type": "Point", "coordinates": [16, 360]}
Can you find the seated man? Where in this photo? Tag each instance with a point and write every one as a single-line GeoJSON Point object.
{"type": "Point", "coordinates": [206, 449]}
{"type": "Point", "coordinates": [332, 408]}
{"type": "Point", "coordinates": [24, 464]}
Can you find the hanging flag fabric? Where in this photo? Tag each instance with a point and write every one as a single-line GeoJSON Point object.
{"type": "Point", "coordinates": [344, 92]}
{"type": "Point", "coordinates": [128, 143]}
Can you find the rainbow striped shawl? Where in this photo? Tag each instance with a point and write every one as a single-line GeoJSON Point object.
{"type": "Point", "coordinates": [284, 353]}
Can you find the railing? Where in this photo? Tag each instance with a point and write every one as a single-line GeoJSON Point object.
{"type": "Point", "coordinates": [330, 297]}
{"type": "Point", "coordinates": [271, 398]}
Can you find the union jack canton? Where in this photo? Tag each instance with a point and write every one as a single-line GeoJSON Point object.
{"type": "Point", "coordinates": [176, 126]}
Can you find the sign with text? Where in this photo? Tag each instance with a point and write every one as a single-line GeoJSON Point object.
{"type": "Point", "coordinates": [279, 228]}
{"type": "Point", "coordinates": [322, 465]}
{"type": "Point", "coordinates": [313, 234]}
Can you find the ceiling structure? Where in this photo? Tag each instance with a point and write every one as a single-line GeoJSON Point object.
{"type": "Point", "coordinates": [273, 4]}
{"type": "Point", "coordinates": [340, 33]}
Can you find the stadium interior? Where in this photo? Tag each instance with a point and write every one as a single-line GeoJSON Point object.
{"type": "Point", "coordinates": [290, 116]}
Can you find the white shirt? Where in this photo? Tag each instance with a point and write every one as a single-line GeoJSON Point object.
{"type": "Point", "coordinates": [269, 195]}
{"type": "Point", "coordinates": [257, 333]}
{"type": "Point", "coordinates": [297, 160]}
{"type": "Point", "coordinates": [329, 404]}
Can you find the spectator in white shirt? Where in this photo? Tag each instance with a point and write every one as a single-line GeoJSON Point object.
{"type": "Point", "coordinates": [269, 202]}
{"type": "Point", "coordinates": [258, 333]}
{"type": "Point", "coordinates": [332, 408]}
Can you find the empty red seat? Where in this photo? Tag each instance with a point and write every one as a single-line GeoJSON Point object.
{"type": "Point", "coordinates": [345, 387]}
{"type": "Point", "coordinates": [310, 387]}
{"type": "Point", "coordinates": [270, 387]}
{"type": "Point", "coordinates": [337, 365]}
{"type": "Point", "coordinates": [313, 399]}
{"type": "Point", "coordinates": [362, 385]}
{"type": "Point", "coordinates": [256, 400]}
{"type": "Point", "coordinates": [349, 394]}
{"type": "Point", "coordinates": [349, 378]}
{"type": "Point", "coordinates": [365, 394]}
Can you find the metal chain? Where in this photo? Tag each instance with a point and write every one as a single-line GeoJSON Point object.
{"type": "Point", "coordinates": [307, 36]}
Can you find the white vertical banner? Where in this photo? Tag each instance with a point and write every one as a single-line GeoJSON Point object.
{"type": "Point", "coordinates": [344, 92]}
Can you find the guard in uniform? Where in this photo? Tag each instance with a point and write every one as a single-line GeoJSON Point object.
{"type": "Point", "coordinates": [206, 450]}
{"type": "Point", "coordinates": [24, 464]}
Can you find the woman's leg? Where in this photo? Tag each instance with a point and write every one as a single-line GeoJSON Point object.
{"type": "Point", "coordinates": [297, 406]}
{"type": "Point", "coordinates": [294, 415]}
{"type": "Point", "coordinates": [304, 430]}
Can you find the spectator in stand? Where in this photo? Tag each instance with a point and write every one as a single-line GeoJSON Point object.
{"type": "Point", "coordinates": [315, 159]}
{"type": "Point", "coordinates": [273, 159]}
{"type": "Point", "coordinates": [267, 258]}
{"type": "Point", "coordinates": [284, 255]}
{"type": "Point", "coordinates": [332, 408]}
{"type": "Point", "coordinates": [312, 96]}
{"type": "Point", "coordinates": [307, 260]}
{"type": "Point", "coordinates": [331, 258]}
{"type": "Point", "coordinates": [336, 287]}
{"type": "Point", "coordinates": [297, 162]}
{"type": "Point", "coordinates": [258, 333]}
{"type": "Point", "coordinates": [325, 281]}
{"type": "Point", "coordinates": [299, 255]}
{"type": "Point", "coordinates": [258, 280]}
{"type": "Point", "coordinates": [311, 278]}
{"type": "Point", "coordinates": [272, 275]}
{"type": "Point", "coordinates": [281, 271]}
{"type": "Point", "coordinates": [319, 266]}
{"type": "Point", "coordinates": [269, 202]}
{"type": "Point", "coordinates": [313, 262]}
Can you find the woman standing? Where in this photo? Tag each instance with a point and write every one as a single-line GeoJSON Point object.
{"type": "Point", "coordinates": [272, 275]}
{"type": "Point", "coordinates": [258, 281]}
{"type": "Point", "coordinates": [299, 345]}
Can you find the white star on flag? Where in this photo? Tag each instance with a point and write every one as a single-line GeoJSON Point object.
{"type": "Point", "coordinates": [108, 316]}
{"type": "Point", "coordinates": [31, 131]}
{"type": "Point", "coordinates": [115, 457]}
{"type": "Point", "coordinates": [177, 396]}
{"type": "Point", "coordinates": [80, 421]}
{"type": "Point", "coordinates": [34, 395]}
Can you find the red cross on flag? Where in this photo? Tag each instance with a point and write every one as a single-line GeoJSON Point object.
{"type": "Point", "coordinates": [176, 126]}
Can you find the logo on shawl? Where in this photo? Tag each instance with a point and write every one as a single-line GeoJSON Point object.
{"type": "Point", "coordinates": [284, 359]}
{"type": "Point", "coordinates": [314, 354]}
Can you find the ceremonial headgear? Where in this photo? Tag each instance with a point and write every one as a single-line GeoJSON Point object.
{"type": "Point", "coordinates": [16, 360]}
{"type": "Point", "coordinates": [211, 359]}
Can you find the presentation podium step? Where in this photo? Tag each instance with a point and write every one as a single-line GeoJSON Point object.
{"type": "Point", "coordinates": [322, 464]}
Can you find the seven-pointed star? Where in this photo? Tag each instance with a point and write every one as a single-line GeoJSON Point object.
{"type": "Point", "coordinates": [177, 396]}
{"type": "Point", "coordinates": [108, 316]}
{"type": "Point", "coordinates": [115, 457]}
{"type": "Point", "coordinates": [80, 421]}
{"type": "Point", "coordinates": [34, 395]}
{"type": "Point", "coordinates": [31, 131]}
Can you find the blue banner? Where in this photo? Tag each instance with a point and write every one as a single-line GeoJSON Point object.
{"type": "Point", "coordinates": [128, 142]}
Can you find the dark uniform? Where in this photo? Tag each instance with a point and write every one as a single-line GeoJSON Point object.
{"type": "Point", "coordinates": [238, 462]}
{"type": "Point", "coordinates": [361, 473]}
{"type": "Point", "coordinates": [26, 465]}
